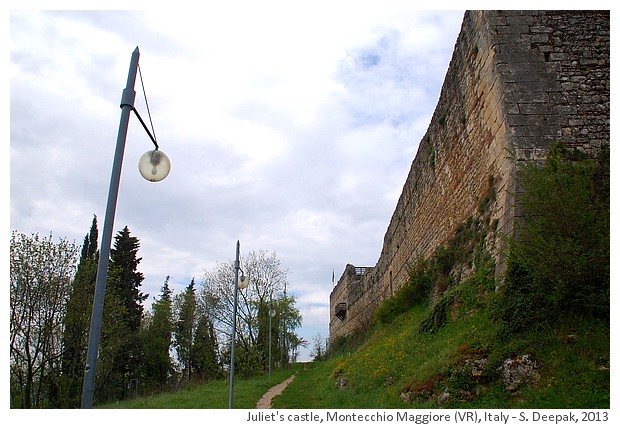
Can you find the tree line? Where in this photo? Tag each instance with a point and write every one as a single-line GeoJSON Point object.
{"type": "Point", "coordinates": [183, 337]}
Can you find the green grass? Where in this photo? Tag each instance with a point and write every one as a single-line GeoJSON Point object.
{"type": "Point", "coordinates": [396, 358]}
{"type": "Point", "coordinates": [211, 395]}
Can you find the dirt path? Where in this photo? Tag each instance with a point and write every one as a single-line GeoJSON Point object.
{"type": "Point", "coordinates": [265, 401]}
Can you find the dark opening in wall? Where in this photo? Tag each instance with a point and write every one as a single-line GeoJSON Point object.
{"type": "Point", "coordinates": [341, 310]}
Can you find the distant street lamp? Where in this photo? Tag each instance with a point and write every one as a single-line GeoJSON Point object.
{"type": "Point", "coordinates": [284, 342]}
{"type": "Point", "coordinates": [240, 283]}
{"type": "Point", "coordinates": [272, 313]}
{"type": "Point", "coordinates": [154, 166]}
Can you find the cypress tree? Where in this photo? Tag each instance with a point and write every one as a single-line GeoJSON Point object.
{"type": "Point", "coordinates": [157, 340]}
{"type": "Point", "coordinates": [77, 321]}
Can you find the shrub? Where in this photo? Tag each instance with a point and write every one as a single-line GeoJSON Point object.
{"type": "Point", "coordinates": [559, 258]}
{"type": "Point", "coordinates": [416, 291]}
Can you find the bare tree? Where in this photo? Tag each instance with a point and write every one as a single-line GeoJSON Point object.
{"type": "Point", "coordinates": [319, 347]}
{"type": "Point", "coordinates": [41, 276]}
{"type": "Point", "coordinates": [267, 280]}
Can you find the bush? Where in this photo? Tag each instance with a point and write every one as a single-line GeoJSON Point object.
{"type": "Point", "coordinates": [416, 291]}
{"type": "Point", "coordinates": [559, 258]}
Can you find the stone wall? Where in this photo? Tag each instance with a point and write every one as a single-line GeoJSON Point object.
{"type": "Point", "coordinates": [518, 82]}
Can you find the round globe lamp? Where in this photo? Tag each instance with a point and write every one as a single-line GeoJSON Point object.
{"type": "Point", "coordinates": [154, 165]}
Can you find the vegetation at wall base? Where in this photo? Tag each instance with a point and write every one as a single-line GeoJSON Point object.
{"type": "Point", "coordinates": [559, 261]}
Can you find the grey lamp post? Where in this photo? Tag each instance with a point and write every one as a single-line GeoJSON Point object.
{"type": "Point", "coordinates": [240, 283]}
{"type": "Point", "coordinates": [154, 166]}
{"type": "Point", "coordinates": [271, 314]}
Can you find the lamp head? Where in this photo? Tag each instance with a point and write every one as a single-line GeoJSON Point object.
{"type": "Point", "coordinates": [243, 282]}
{"type": "Point", "coordinates": [154, 165]}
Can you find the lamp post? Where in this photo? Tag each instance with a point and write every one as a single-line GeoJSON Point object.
{"type": "Point", "coordinates": [271, 314]}
{"type": "Point", "coordinates": [154, 166]}
{"type": "Point", "coordinates": [240, 283]}
{"type": "Point", "coordinates": [284, 342]}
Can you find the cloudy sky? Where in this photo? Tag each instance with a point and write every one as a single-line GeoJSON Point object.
{"type": "Point", "coordinates": [291, 127]}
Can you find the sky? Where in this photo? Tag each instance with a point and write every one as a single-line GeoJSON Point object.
{"type": "Point", "coordinates": [290, 127]}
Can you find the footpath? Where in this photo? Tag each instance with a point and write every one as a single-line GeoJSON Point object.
{"type": "Point", "coordinates": [265, 401]}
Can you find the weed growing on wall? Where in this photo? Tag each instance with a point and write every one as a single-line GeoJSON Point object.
{"type": "Point", "coordinates": [440, 277]}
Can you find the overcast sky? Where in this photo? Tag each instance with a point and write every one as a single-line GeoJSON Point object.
{"type": "Point", "coordinates": [290, 127]}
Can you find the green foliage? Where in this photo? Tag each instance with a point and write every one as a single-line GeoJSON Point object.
{"type": "Point", "coordinates": [156, 336]}
{"type": "Point", "coordinates": [415, 291]}
{"type": "Point", "coordinates": [41, 273]}
{"type": "Point", "coordinates": [121, 346]}
{"type": "Point", "coordinates": [77, 321]}
{"type": "Point", "coordinates": [559, 259]}
{"type": "Point", "coordinates": [185, 328]}
{"type": "Point", "coordinates": [347, 344]}
{"type": "Point", "coordinates": [464, 298]}
{"type": "Point", "coordinates": [124, 277]}
{"type": "Point", "coordinates": [205, 352]}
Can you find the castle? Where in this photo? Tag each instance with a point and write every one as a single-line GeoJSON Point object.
{"type": "Point", "coordinates": [518, 82]}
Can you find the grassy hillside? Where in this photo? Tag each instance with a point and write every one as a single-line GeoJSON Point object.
{"type": "Point", "coordinates": [399, 367]}
{"type": "Point", "coordinates": [457, 367]}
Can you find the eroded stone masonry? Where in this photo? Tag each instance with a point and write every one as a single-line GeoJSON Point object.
{"type": "Point", "coordinates": [518, 82]}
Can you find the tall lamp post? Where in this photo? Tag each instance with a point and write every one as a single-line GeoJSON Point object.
{"type": "Point", "coordinates": [154, 166]}
{"type": "Point", "coordinates": [271, 314]}
{"type": "Point", "coordinates": [284, 342]}
{"type": "Point", "coordinates": [240, 283]}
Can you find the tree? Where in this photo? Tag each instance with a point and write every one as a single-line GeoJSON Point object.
{"type": "Point", "coordinates": [120, 345]}
{"type": "Point", "coordinates": [113, 374]}
{"type": "Point", "coordinates": [41, 273]}
{"type": "Point", "coordinates": [267, 278]}
{"type": "Point", "coordinates": [185, 309]}
{"type": "Point", "coordinates": [124, 277]}
{"type": "Point", "coordinates": [205, 352]}
{"type": "Point", "coordinates": [77, 320]}
{"type": "Point", "coordinates": [319, 348]}
{"type": "Point", "coordinates": [288, 319]}
{"type": "Point", "coordinates": [157, 367]}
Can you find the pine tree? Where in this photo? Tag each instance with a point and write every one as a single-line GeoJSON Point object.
{"type": "Point", "coordinates": [125, 278]}
{"type": "Point", "coordinates": [77, 320]}
{"type": "Point", "coordinates": [185, 327]}
{"type": "Point", "coordinates": [120, 345]}
{"type": "Point", "coordinates": [157, 339]}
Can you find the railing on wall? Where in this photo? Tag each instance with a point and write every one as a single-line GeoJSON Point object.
{"type": "Point", "coordinates": [360, 271]}
{"type": "Point", "coordinates": [341, 310]}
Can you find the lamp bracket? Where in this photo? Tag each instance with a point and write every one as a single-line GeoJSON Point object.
{"type": "Point", "coordinates": [145, 128]}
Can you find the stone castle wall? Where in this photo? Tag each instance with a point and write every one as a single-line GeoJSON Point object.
{"type": "Point", "coordinates": [518, 82]}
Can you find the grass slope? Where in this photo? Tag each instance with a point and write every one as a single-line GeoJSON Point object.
{"type": "Point", "coordinates": [397, 361]}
